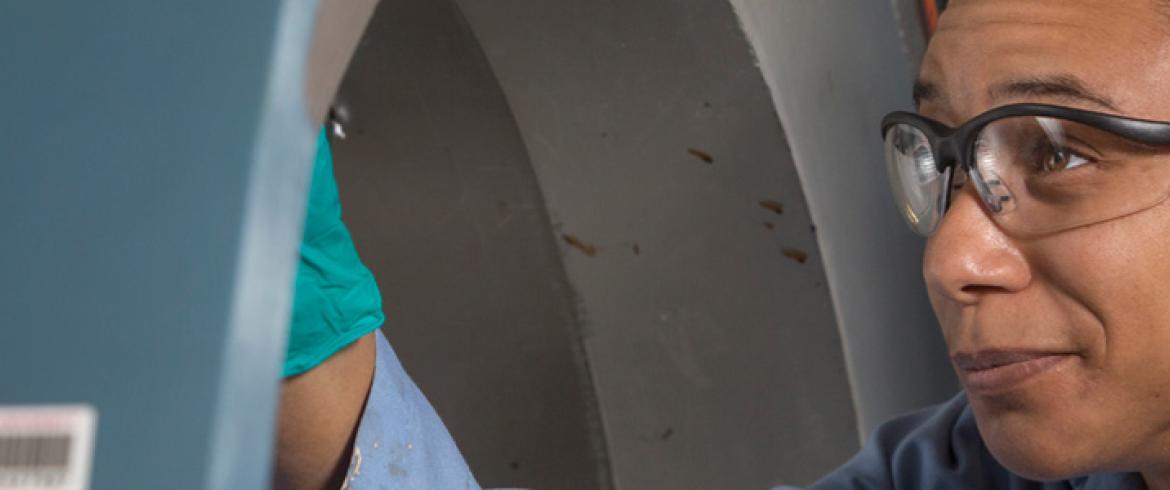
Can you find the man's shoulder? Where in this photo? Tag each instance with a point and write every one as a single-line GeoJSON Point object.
{"type": "Point", "coordinates": [940, 448]}
{"type": "Point", "coordinates": [933, 447]}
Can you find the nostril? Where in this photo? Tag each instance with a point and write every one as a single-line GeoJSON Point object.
{"type": "Point", "coordinates": [981, 289]}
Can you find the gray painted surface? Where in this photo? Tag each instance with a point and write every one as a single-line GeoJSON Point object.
{"type": "Point", "coordinates": [910, 26]}
{"type": "Point", "coordinates": [716, 358]}
{"type": "Point", "coordinates": [154, 179]}
{"type": "Point", "coordinates": [445, 209]}
{"type": "Point", "coordinates": [835, 68]}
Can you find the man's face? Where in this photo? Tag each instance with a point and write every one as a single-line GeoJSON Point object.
{"type": "Point", "coordinates": [1083, 315]}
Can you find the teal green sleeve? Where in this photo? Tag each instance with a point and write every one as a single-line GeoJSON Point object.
{"type": "Point", "coordinates": [336, 299]}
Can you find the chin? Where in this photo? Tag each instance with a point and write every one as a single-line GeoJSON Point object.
{"type": "Point", "coordinates": [1041, 445]}
{"type": "Point", "coordinates": [1040, 465]}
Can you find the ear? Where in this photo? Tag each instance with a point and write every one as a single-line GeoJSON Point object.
{"type": "Point", "coordinates": [339, 27]}
{"type": "Point", "coordinates": [931, 9]}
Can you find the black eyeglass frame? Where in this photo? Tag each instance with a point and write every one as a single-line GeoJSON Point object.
{"type": "Point", "coordinates": [953, 147]}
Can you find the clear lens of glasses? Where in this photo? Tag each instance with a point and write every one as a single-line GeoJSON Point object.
{"type": "Point", "coordinates": [1041, 175]}
{"type": "Point", "coordinates": [917, 184]}
{"type": "Point", "coordinates": [1034, 175]}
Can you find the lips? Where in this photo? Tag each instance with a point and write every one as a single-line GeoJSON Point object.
{"type": "Point", "coordinates": [996, 371]}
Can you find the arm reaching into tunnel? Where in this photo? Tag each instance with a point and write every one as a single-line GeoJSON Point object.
{"type": "Point", "coordinates": [350, 416]}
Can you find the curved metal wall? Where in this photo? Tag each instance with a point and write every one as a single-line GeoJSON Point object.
{"type": "Point", "coordinates": [593, 243]}
{"type": "Point", "coordinates": [715, 354]}
{"type": "Point", "coordinates": [834, 68]}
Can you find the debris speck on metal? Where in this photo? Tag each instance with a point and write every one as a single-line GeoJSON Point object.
{"type": "Point", "coordinates": [772, 205]}
{"type": "Point", "coordinates": [701, 155]}
{"type": "Point", "coordinates": [585, 248]}
{"type": "Point", "coordinates": [796, 254]}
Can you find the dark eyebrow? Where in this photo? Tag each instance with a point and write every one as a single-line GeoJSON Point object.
{"type": "Point", "coordinates": [924, 91]}
{"type": "Point", "coordinates": [1059, 86]}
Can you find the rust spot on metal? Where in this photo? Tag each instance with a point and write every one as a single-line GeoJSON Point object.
{"type": "Point", "coordinates": [796, 254]}
{"type": "Point", "coordinates": [637, 249]}
{"type": "Point", "coordinates": [771, 205]}
{"type": "Point", "coordinates": [576, 243]}
{"type": "Point", "coordinates": [769, 226]}
{"type": "Point", "coordinates": [701, 155]}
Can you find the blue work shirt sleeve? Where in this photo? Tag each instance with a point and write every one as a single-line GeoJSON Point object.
{"type": "Point", "coordinates": [401, 443]}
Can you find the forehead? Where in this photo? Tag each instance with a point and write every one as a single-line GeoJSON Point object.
{"type": "Point", "coordinates": [1114, 48]}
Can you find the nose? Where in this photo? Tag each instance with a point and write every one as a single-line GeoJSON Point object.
{"type": "Point", "coordinates": [969, 257]}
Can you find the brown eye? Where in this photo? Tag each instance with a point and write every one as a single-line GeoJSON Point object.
{"type": "Point", "coordinates": [1059, 158]}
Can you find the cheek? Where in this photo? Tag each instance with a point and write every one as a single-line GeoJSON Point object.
{"type": "Point", "coordinates": [1116, 276]}
{"type": "Point", "coordinates": [1113, 280]}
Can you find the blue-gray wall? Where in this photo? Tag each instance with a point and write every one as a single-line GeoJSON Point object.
{"type": "Point", "coordinates": [154, 159]}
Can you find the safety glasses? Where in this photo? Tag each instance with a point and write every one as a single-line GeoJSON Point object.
{"type": "Point", "coordinates": [1038, 169]}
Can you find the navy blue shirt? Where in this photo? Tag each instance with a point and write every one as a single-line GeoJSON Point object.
{"type": "Point", "coordinates": [940, 448]}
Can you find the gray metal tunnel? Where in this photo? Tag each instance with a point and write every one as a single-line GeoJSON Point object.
{"type": "Point", "coordinates": [595, 242]}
